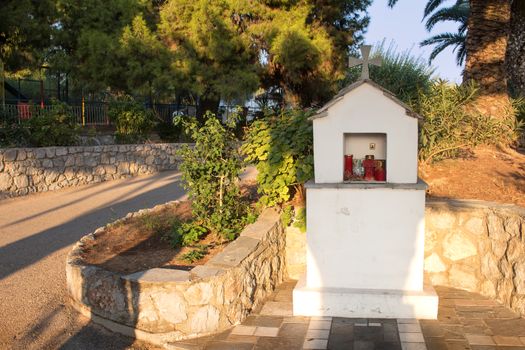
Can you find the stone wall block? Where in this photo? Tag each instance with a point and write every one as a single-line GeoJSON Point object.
{"type": "Point", "coordinates": [60, 151]}
{"type": "Point", "coordinates": [5, 181]}
{"type": "Point", "coordinates": [21, 181]}
{"type": "Point", "coordinates": [457, 246]}
{"type": "Point", "coordinates": [22, 155]}
{"type": "Point", "coordinates": [498, 248]}
{"type": "Point", "coordinates": [515, 250]}
{"type": "Point", "coordinates": [519, 277]}
{"type": "Point", "coordinates": [476, 225]}
{"type": "Point", "coordinates": [513, 225]}
{"type": "Point", "coordinates": [462, 278]}
{"type": "Point", "coordinates": [496, 227]}
{"type": "Point", "coordinates": [490, 268]}
{"type": "Point", "coordinates": [10, 155]}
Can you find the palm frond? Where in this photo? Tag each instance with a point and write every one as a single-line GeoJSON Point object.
{"type": "Point", "coordinates": [391, 3]}
{"type": "Point", "coordinates": [431, 6]}
{"type": "Point", "coordinates": [457, 13]}
{"type": "Point", "coordinates": [444, 40]}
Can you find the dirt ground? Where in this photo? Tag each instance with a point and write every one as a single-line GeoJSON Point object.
{"type": "Point", "coordinates": [140, 243]}
{"type": "Point", "coordinates": [490, 174]}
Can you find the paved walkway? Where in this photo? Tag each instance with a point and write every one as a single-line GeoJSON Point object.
{"type": "Point", "coordinates": [36, 233]}
{"type": "Point", "coordinates": [466, 321]}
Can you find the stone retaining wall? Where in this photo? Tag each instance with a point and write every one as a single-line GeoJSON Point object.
{"type": "Point", "coordinates": [27, 170]}
{"type": "Point", "coordinates": [162, 305]}
{"type": "Point", "coordinates": [477, 246]}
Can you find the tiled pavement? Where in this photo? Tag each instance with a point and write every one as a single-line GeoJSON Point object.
{"type": "Point", "coordinates": [465, 321]}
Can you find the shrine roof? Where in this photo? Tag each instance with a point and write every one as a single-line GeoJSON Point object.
{"type": "Point", "coordinates": [323, 111]}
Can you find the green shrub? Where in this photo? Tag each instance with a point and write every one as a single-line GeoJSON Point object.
{"type": "Point", "coordinates": [132, 121]}
{"type": "Point", "coordinates": [300, 219]}
{"type": "Point", "coordinates": [12, 133]}
{"type": "Point", "coordinates": [287, 215]}
{"type": "Point", "coordinates": [281, 147]}
{"type": "Point", "coordinates": [196, 254]}
{"type": "Point", "coordinates": [210, 171]}
{"type": "Point", "coordinates": [52, 127]}
{"type": "Point", "coordinates": [451, 123]}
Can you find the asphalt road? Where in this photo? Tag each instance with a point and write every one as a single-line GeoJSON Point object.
{"type": "Point", "coordinates": [36, 233]}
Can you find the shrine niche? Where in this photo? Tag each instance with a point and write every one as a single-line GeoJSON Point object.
{"type": "Point", "coordinates": [365, 210]}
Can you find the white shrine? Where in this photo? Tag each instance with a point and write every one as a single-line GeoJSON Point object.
{"type": "Point", "coordinates": [365, 210]}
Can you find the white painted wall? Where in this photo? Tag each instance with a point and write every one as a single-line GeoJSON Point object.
{"type": "Point", "coordinates": [359, 145]}
{"type": "Point", "coordinates": [365, 238]}
{"type": "Point", "coordinates": [366, 110]}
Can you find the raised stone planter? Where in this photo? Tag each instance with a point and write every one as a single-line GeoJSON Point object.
{"type": "Point", "coordinates": [162, 305]}
{"type": "Point", "coordinates": [27, 170]}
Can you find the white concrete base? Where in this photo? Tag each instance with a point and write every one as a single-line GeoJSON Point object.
{"type": "Point", "coordinates": [364, 303]}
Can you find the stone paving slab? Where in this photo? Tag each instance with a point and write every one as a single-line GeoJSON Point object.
{"type": "Point", "coordinates": [466, 321]}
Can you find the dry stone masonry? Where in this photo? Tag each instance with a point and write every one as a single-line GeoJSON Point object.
{"type": "Point", "coordinates": [162, 305]}
{"type": "Point", "coordinates": [28, 170]}
{"type": "Point", "coordinates": [477, 246]}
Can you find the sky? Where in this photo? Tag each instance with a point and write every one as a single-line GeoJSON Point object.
{"type": "Point", "coordinates": [402, 25]}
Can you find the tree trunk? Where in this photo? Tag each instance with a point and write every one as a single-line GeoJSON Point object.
{"type": "Point", "coordinates": [515, 60]}
{"type": "Point", "coordinates": [486, 44]}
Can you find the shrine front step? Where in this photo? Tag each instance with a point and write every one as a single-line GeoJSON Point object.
{"type": "Point", "coordinates": [364, 303]}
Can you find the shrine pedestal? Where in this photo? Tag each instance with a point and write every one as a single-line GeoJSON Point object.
{"type": "Point", "coordinates": [365, 250]}
{"type": "Point", "coordinates": [364, 303]}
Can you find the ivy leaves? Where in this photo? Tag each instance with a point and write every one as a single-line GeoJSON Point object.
{"type": "Point", "coordinates": [281, 147]}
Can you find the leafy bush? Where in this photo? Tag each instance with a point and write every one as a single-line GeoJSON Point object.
{"type": "Point", "coordinates": [287, 215]}
{"type": "Point", "coordinates": [132, 121]}
{"type": "Point", "coordinates": [281, 146]}
{"type": "Point", "coordinates": [211, 171]}
{"type": "Point", "coordinates": [402, 73]}
{"type": "Point", "coordinates": [300, 219]}
{"type": "Point", "coordinates": [12, 133]}
{"type": "Point", "coordinates": [52, 127]}
{"type": "Point", "coordinates": [451, 123]}
{"type": "Point", "coordinates": [196, 254]}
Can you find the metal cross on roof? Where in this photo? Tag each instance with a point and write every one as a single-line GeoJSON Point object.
{"type": "Point", "coordinates": [365, 61]}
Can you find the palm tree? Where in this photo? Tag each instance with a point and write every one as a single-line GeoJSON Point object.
{"type": "Point", "coordinates": [515, 60]}
{"type": "Point", "coordinates": [486, 47]}
{"type": "Point", "coordinates": [459, 12]}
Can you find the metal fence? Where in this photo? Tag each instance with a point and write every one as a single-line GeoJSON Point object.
{"type": "Point", "coordinates": [96, 113]}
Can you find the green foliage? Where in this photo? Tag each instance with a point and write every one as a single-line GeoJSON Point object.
{"type": "Point", "coordinates": [459, 12]}
{"type": "Point", "coordinates": [210, 171]}
{"type": "Point", "coordinates": [281, 146]}
{"type": "Point", "coordinates": [210, 50]}
{"type": "Point", "coordinates": [451, 123]}
{"type": "Point", "coordinates": [401, 73]}
{"type": "Point", "coordinates": [52, 127]}
{"type": "Point", "coordinates": [191, 233]}
{"type": "Point", "coordinates": [12, 134]}
{"type": "Point", "coordinates": [300, 219]}
{"type": "Point", "coordinates": [132, 121]}
{"type": "Point", "coordinates": [146, 59]}
{"type": "Point", "coordinates": [287, 215]}
{"type": "Point", "coordinates": [196, 254]}
{"type": "Point", "coordinates": [25, 32]}
{"type": "Point", "coordinates": [306, 45]}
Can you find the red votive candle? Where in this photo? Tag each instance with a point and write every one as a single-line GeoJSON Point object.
{"type": "Point", "coordinates": [349, 166]}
